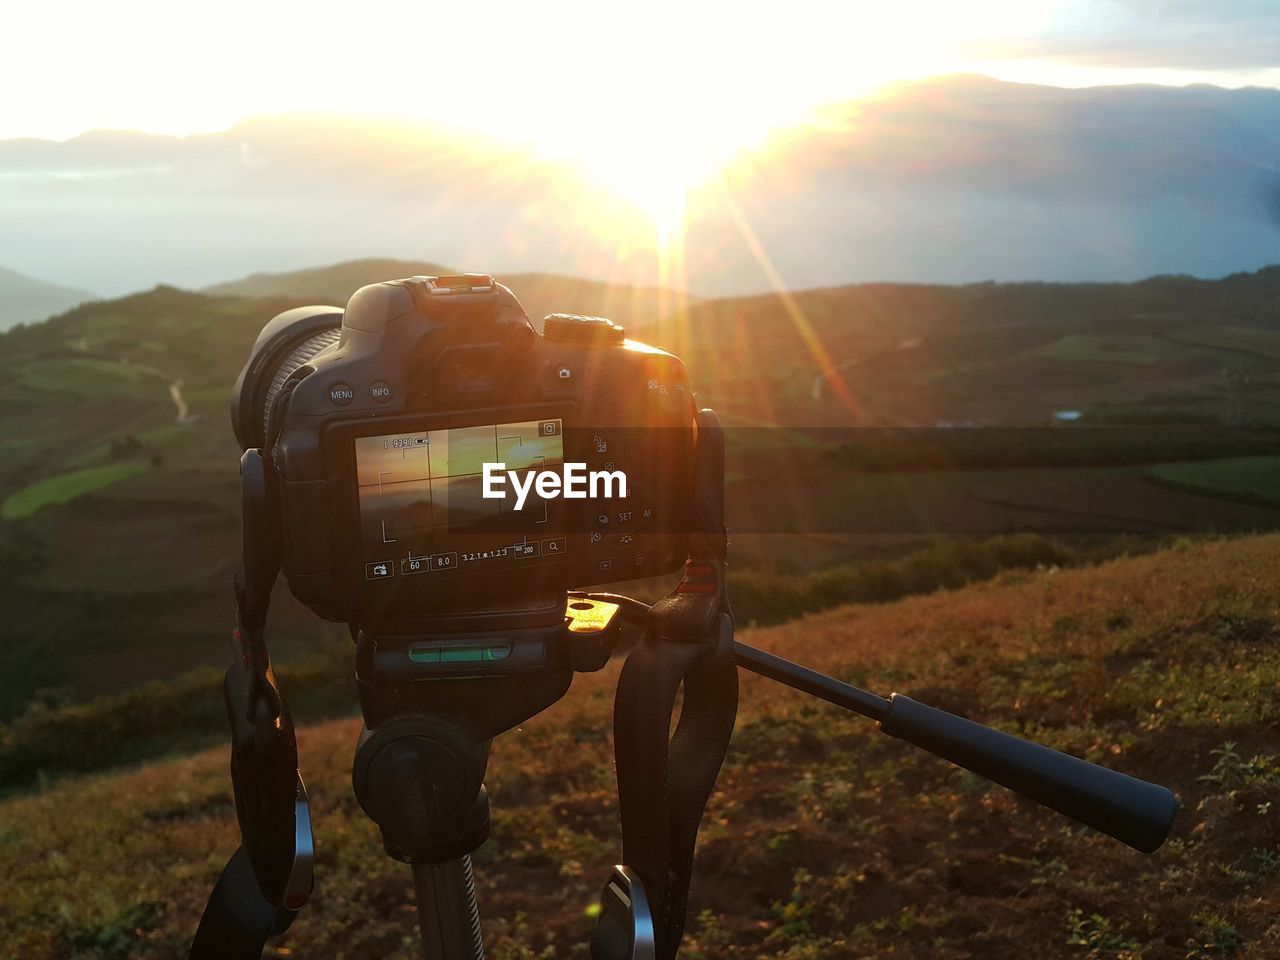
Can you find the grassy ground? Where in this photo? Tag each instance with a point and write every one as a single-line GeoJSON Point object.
{"type": "Point", "coordinates": [823, 839]}
{"type": "Point", "coordinates": [56, 735]}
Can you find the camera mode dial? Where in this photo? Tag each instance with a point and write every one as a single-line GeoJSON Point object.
{"type": "Point", "coordinates": [588, 331]}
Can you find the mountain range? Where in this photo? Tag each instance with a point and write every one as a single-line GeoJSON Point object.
{"type": "Point", "coordinates": [540, 294]}
{"type": "Point", "coordinates": [954, 179]}
{"type": "Point", "coordinates": [918, 354]}
{"type": "Point", "coordinates": [25, 299]}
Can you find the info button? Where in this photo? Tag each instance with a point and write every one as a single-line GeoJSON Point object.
{"type": "Point", "coordinates": [554, 547]}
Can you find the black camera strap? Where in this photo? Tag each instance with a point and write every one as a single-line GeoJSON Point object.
{"type": "Point", "coordinates": [268, 878]}
{"type": "Point", "coordinates": [238, 918]}
{"type": "Point", "coordinates": [665, 778]}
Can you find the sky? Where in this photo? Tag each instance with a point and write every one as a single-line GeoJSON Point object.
{"type": "Point", "coordinates": [553, 72]}
{"type": "Point", "coordinates": [654, 101]}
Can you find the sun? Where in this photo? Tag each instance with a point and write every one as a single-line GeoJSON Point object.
{"type": "Point", "coordinates": [656, 183]}
{"type": "Point", "coordinates": [654, 153]}
{"type": "Point", "coordinates": [653, 178]}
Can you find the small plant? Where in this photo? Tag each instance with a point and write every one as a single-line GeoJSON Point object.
{"type": "Point", "coordinates": [794, 914]}
{"type": "Point", "coordinates": [1215, 937]}
{"type": "Point", "coordinates": [1264, 861]}
{"type": "Point", "coordinates": [118, 935]}
{"type": "Point", "coordinates": [710, 932]}
{"type": "Point", "coordinates": [1231, 770]}
{"type": "Point", "coordinates": [1096, 934]}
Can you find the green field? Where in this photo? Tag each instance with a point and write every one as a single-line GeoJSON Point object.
{"type": "Point", "coordinates": [1247, 479]}
{"type": "Point", "coordinates": [66, 487]}
{"type": "Point", "coordinates": [1260, 341]}
{"type": "Point", "coordinates": [1107, 348]}
{"type": "Point", "coordinates": [91, 377]}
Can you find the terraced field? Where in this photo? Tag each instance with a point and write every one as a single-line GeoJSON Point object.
{"type": "Point", "coordinates": [1246, 479]}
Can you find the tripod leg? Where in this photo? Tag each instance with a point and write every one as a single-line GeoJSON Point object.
{"type": "Point", "coordinates": [447, 911]}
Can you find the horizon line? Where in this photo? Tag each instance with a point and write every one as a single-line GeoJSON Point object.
{"type": "Point", "coordinates": [208, 289]}
{"type": "Point", "coordinates": [425, 122]}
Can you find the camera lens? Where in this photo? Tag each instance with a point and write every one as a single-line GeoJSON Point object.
{"type": "Point", "coordinates": [288, 341]}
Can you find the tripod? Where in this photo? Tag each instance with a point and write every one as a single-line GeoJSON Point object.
{"type": "Point", "coordinates": [434, 700]}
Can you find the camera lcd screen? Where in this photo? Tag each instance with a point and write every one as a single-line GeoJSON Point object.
{"type": "Point", "coordinates": [422, 504]}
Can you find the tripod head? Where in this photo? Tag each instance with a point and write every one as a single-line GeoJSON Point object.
{"type": "Point", "coordinates": [433, 702]}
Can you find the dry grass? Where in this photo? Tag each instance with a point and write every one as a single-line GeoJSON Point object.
{"type": "Point", "coordinates": [824, 839]}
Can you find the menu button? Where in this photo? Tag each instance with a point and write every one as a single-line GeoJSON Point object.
{"type": "Point", "coordinates": [341, 394]}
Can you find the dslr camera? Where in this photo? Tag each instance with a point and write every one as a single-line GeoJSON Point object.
{"type": "Point", "coordinates": [434, 455]}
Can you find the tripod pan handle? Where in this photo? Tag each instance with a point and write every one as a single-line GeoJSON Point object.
{"type": "Point", "coordinates": [1130, 810]}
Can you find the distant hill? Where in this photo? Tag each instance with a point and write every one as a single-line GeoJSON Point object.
{"type": "Point", "coordinates": [1172, 348]}
{"type": "Point", "coordinates": [921, 355]}
{"type": "Point", "coordinates": [330, 284]}
{"type": "Point", "coordinates": [25, 299]}
{"type": "Point", "coordinates": [637, 307]}
{"type": "Point", "coordinates": [945, 180]}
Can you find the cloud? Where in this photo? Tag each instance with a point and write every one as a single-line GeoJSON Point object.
{"type": "Point", "coordinates": [1227, 35]}
{"type": "Point", "coordinates": [1219, 11]}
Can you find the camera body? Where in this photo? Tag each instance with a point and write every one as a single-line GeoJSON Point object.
{"type": "Point", "coordinates": [392, 439]}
